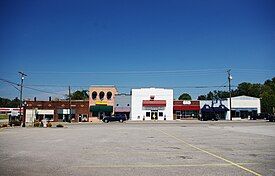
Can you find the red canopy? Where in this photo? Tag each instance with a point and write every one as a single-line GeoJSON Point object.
{"type": "Point", "coordinates": [154, 103]}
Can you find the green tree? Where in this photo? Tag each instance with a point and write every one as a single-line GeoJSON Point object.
{"type": "Point", "coordinates": [249, 89]}
{"type": "Point", "coordinates": [185, 96]}
{"type": "Point", "coordinates": [210, 96]}
{"type": "Point", "coordinates": [201, 97]}
{"type": "Point", "coordinates": [268, 96]}
{"type": "Point", "coordinates": [79, 95]}
{"type": "Point", "coordinates": [4, 102]}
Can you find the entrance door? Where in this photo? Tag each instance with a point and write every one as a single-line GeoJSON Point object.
{"type": "Point", "coordinates": [101, 115]}
{"type": "Point", "coordinates": [178, 113]}
{"type": "Point", "coordinates": [154, 115]}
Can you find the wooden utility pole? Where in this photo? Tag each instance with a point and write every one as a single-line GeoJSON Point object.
{"type": "Point", "coordinates": [21, 97]}
{"type": "Point", "coordinates": [70, 116]}
{"type": "Point", "coordinates": [229, 85]}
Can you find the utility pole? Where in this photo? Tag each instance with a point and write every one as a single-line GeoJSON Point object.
{"type": "Point", "coordinates": [229, 85]}
{"type": "Point", "coordinates": [21, 95]}
{"type": "Point", "coordinates": [70, 116]}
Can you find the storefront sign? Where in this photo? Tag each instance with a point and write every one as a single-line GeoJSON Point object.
{"type": "Point", "coordinates": [153, 108]}
{"type": "Point", "coordinates": [101, 103]}
{"type": "Point", "coordinates": [186, 102]}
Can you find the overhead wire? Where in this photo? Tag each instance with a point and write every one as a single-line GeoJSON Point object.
{"type": "Point", "coordinates": [28, 87]}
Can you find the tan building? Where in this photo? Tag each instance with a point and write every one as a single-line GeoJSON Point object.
{"type": "Point", "coordinates": [101, 101]}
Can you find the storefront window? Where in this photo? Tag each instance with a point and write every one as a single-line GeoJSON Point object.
{"type": "Point", "coordinates": [49, 117]}
{"type": "Point", "coordinates": [161, 114]}
{"type": "Point", "coordinates": [147, 114]}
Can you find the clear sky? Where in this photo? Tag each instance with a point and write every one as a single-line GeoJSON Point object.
{"type": "Point", "coordinates": [173, 43]}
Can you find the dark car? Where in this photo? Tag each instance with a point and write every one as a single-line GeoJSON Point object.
{"type": "Point", "coordinates": [117, 117]}
{"type": "Point", "coordinates": [259, 116]}
{"type": "Point", "coordinates": [271, 118]}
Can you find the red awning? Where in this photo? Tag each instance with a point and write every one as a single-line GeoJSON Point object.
{"type": "Point", "coordinates": [154, 103]}
{"type": "Point", "coordinates": [186, 108]}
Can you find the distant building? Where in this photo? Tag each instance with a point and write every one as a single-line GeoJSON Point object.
{"type": "Point", "coordinates": [183, 109]}
{"type": "Point", "coordinates": [57, 111]}
{"type": "Point", "coordinates": [152, 104]}
{"type": "Point", "coordinates": [10, 111]}
{"type": "Point", "coordinates": [101, 101]}
{"type": "Point", "coordinates": [123, 104]}
{"type": "Point", "coordinates": [243, 107]}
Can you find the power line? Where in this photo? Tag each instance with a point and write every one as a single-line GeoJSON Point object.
{"type": "Point", "coordinates": [39, 90]}
{"type": "Point", "coordinates": [131, 72]}
{"type": "Point", "coordinates": [11, 83]}
{"type": "Point", "coordinates": [28, 87]}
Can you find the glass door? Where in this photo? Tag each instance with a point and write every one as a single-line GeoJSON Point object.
{"type": "Point", "coordinates": [154, 115]}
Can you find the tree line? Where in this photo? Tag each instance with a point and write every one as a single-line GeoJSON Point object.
{"type": "Point", "coordinates": [265, 91]}
{"type": "Point", "coordinates": [5, 102]}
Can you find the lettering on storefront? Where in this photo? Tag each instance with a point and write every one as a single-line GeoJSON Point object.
{"type": "Point", "coordinates": [186, 102]}
{"type": "Point", "coordinates": [153, 108]}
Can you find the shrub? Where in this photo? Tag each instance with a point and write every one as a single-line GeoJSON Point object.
{"type": "Point", "coordinates": [14, 123]}
{"type": "Point", "coordinates": [59, 126]}
{"type": "Point", "coordinates": [5, 125]}
{"type": "Point", "coordinates": [36, 124]}
{"type": "Point", "coordinates": [49, 124]}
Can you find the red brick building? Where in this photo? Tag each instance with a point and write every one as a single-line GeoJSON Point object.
{"type": "Point", "coordinates": [57, 111]}
{"type": "Point", "coordinates": [186, 109]}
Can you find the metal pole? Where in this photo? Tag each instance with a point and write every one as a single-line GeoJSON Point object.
{"type": "Point", "coordinates": [21, 95]}
{"type": "Point", "coordinates": [229, 82]}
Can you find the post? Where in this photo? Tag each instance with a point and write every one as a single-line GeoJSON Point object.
{"type": "Point", "coordinates": [70, 116]}
{"type": "Point", "coordinates": [21, 95]}
{"type": "Point", "coordinates": [229, 86]}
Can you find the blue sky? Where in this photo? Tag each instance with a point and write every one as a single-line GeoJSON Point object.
{"type": "Point", "coordinates": [129, 43]}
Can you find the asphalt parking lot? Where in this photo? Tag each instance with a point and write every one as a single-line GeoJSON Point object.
{"type": "Point", "coordinates": [201, 148]}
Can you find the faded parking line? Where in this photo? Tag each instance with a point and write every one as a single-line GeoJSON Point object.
{"type": "Point", "coordinates": [161, 166]}
{"type": "Point", "coordinates": [209, 153]}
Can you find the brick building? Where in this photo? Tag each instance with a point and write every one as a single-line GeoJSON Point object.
{"type": "Point", "coordinates": [183, 109]}
{"type": "Point", "coordinates": [57, 111]}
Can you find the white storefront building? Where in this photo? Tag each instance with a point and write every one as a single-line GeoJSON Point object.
{"type": "Point", "coordinates": [242, 106]}
{"type": "Point", "coordinates": [35, 114]}
{"type": "Point", "coordinates": [152, 104]}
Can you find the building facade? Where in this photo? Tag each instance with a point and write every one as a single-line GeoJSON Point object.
{"type": "Point", "coordinates": [101, 101]}
{"type": "Point", "coordinates": [123, 105]}
{"type": "Point", "coordinates": [57, 111]}
{"type": "Point", "coordinates": [184, 109]}
{"type": "Point", "coordinates": [242, 107]}
{"type": "Point", "coordinates": [152, 104]}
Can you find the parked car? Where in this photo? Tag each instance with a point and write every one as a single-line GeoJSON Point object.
{"type": "Point", "coordinates": [259, 116]}
{"type": "Point", "coordinates": [118, 117]}
{"type": "Point", "coordinates": [271, 118]}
